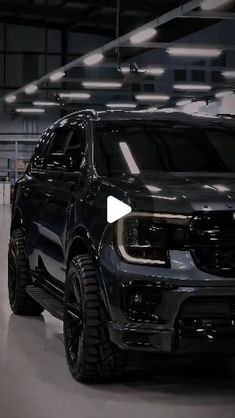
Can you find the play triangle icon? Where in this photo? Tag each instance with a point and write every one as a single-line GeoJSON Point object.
{"type": "Point", "coordinates": [116, 209]}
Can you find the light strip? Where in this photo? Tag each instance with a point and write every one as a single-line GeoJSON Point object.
{"type": "Point", "coordinates": [154, 71]}
{"type": "Point", "coordinates": [11, 98]}
{"type": "Point", "coordinates": [223, 93]}
{"type": "Point", "coordinates": [57, 75]}
{"type": "Point", "coordinates": [31, 88]}
{"type": "Point", "coordinates": [121, 105]}
{"type": "Point", "coordinates": [194, 52]}
{"type": "Point", "coordinates": [45, 103]}
{"type": "Point", "coordinates": [74, 95]}
{"type": "Point", "coordinates": [29, 110]}
{"type": "Point", "coordinates": [152, 97]}
{"type": "Point", "coordinates": [147, 70]}
{"type": "Point", "coordinates": [183, 102]}
{"type": "Point", "coordinates": [195, 87]}
{"type": "Point", "coordinates": [142, 36]}
{"type": "Point", "coordinates": [93, 59]}
{"type": "Point", "coordinates": [101, 85]}
{"type": "Point", "coordinates": [129, 158]}
{"type": "Point", "coordinates": [126, 70]}
{"type": "Point", "coordinates": [229, 73]}
{"type": "Point", "coordinates": [213, 4]}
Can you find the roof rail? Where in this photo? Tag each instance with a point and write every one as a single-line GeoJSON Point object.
{"type": "Point", "coordinates": [226, 115]}
{"type": "Point", "coordinates": [88, 112]}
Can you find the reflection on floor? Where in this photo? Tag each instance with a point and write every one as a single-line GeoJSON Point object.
{"type": "Point", "coordinates": [35, 382]}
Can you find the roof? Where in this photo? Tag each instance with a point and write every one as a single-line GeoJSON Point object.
{"type": "Point", "coordinates": [158, 115]}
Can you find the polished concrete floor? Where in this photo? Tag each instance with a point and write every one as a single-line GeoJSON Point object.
{"type": "Point", "coordinates": [35, 382]}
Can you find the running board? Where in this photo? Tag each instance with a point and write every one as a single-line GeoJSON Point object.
{"type": "Point", "coordinates": [48, 302]}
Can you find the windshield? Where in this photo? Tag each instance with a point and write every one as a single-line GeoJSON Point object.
{"type": "Point", "coordinates": [132, 147]}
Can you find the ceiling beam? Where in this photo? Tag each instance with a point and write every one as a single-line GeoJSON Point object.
{"type": "Point", "coordinates": [165, 45]}
{"type": "Point", "coordinates": [211, 15]}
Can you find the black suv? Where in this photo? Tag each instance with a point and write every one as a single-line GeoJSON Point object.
{"type": "Point", "coordinates": [161, 279]}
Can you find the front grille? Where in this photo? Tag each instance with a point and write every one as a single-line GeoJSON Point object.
{"type": "Point", "coordinates": [204, 307]}
{"type": "Point", "coordinates": [208, 319]}
{"type": "Point", "coordinates": [212, 237]}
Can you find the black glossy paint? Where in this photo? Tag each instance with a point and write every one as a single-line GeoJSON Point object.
{"type": "Point", "coordinates": [63, 213]}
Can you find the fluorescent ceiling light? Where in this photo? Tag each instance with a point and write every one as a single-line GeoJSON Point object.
{"type": "Point", "coordinates": [223, 93]}
{"type": "Point", "coordinates": [195, 87]}
{"type": "Point", "coordinates": [147, 70]}
{"type": "Point", "coordinates": [93, 59]}
{"type": "Point", "coordinates": [152, 97]}
{"type": "Point", "coordinates": [194, 52]}
{"type": "Point", "coordinates": [121, 105]}
{"type": "Point", "coordinates": [29, 110]}
{"type": "Point", "coordinates": [143, 35]}
{"type": "Point", "coordinates": [31, 88]}
{"type": "Point", "coordinates": [127, 154]}
{"type": "Point", "coordinates": [74, 95]}
{"type": "Point", "coordinates": [126, 70]}
{"type": "Point", "coordinates": [213, 4]}
{"type": "Point", "coordinates": [45, 104]}
{"type": "Point", "coordinates": [11, 98]}
{"type": "Point", "coordinates": [154, 71]}
{"type": "Point", "coordinates": [183, 102]}
{"type": "Point", "coordinates": [57, 75]}
{"type": "Point", "coordinates": [101, 85]}
{"type": "Point", "coordinates": [229, 74]}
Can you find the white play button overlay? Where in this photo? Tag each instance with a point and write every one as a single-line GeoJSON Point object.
{"type": "Point", "coordinates": [116, 209]}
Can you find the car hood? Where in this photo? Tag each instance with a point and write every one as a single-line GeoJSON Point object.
{"type": "Point", "coordinates": [180, 192]}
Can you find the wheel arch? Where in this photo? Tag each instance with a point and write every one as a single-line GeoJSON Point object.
{"type": "Point", "coordinates": [80, 244]}
{"type": "Point", "coordinates": [77, 247]}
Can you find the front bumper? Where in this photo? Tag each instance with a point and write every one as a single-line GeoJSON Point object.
{"type": "Point", "coordinates": [179, 311]}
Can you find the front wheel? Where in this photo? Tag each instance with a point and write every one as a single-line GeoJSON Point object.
{"type": "Point", "coordinates": [91, 356]}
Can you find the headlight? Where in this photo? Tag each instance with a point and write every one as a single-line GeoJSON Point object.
{"type": "Point", "coordinates": [146, 238]}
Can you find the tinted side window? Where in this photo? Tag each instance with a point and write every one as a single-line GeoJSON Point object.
{"type": "Point", "coordinates": [66, 149]}
{"type": "Point", "coordinates": [59, 142]}
{"type": "Point", "coordinates": [39, 151]}
{"type": "Point", "coordinates": [76, 146]}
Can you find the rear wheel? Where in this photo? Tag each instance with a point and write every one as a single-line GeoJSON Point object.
{"type": "Point", "coordinates": [19, 277]}
{"type": "Point", "coordinates": [91, 356]}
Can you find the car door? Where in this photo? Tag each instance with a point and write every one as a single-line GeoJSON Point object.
{"type": "Point", "coordinates": [32, 199]}
{"type": "Point", "coordinates": [62, 171]}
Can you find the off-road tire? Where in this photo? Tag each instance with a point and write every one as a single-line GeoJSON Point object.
{"type": "Point", "coordinates": [19, 277]}
{"type": "Point", "coordinates": [97, 358]}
